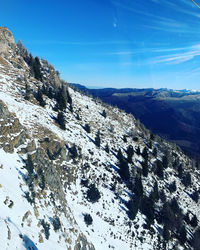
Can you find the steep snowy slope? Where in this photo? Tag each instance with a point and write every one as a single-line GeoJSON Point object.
{"type": "Point", "coordinates": [68, 188]}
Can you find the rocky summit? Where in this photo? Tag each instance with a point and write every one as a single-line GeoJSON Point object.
{"type": "Point", "coordinates": [76, 173]}
{"type": "Point", "coordinates": [7, 42]}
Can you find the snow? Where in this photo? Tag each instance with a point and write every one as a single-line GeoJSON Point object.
{"type": "Point", "coordinates": [12, 189]}
{"type": "Point", "coordinates": [110, 229]}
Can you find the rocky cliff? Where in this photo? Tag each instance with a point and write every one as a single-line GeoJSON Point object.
{"type": "Point", "coordinates": [7, 42]}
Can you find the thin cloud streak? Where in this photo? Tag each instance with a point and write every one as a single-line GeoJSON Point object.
{"type": "Point", "coordinates": [175, 55]}
{"type": "Point", "coordinates": [147, 50]}
{"type": "Point", "coordinates": [178, 58]}
{"type": "Point", "coordinates": [195, 71]}
{"type": "Point", "coordinates": [165, 23]}
{"type": "Point", "coordinates": [181, 30]}
{"type": "Point", "coordinates": [170, 4]}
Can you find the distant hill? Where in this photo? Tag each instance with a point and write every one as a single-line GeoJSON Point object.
{"type": "Point", "coordinates": [174, 115]}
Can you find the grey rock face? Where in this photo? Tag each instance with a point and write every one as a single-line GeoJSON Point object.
{"type": "Point", "coordinates": [83, 244]}
{"type": "Point", "coordinates": [13, 135]}
{"type": "Point", "coordinates": [6, 40]}
{"type": "Point", "coordinates": [4, 113]}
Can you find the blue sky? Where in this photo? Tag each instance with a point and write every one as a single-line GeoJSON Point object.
{"type": "Point", "coordinates": [112, 43]}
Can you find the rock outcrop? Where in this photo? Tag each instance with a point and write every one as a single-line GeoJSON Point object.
{"type": "Point", "coordinates": [7, 42]}
{"type": "Point", "coordinates": [12, 133]}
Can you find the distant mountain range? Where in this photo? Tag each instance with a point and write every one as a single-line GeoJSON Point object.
{"type": "Point", "coordinates": [172, 114]}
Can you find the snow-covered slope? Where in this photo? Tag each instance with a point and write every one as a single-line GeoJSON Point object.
{"type": "Point", "coordinates": [47, 172]}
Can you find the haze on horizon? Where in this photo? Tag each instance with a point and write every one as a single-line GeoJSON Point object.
{"type": "Point", "coordinates": [112, 43]}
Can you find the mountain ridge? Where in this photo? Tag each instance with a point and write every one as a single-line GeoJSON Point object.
{"type": "Point", "coordinates": [78, 174]}
{"type": "Point", "coordinates": [179, 110]}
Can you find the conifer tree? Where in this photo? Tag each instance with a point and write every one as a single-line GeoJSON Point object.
{"type": "Point", "coordinates": [39, 97]}
{"type": "Point", "coordinates": [74, 152]}
{"type": "Point", "coordinates": [130, 153]}
{"type": "Point", "coordinates": [61, 120]}
{"type": "Point", "coordinates": [41, 178]}
{"type": "Point", "coordinates": [56, 223]}
{"type": "Point", "coordinates": [180, 171]}
{"type": "Point", "coordinates": [172, 187]}
{"type": "Point", "coordinates": [97, 139]}
{"type": "Point", "coordinates": [155, 152]}
{"type": "Point", "coordinates": [196, 239]}
{"type": "Point", "coordinates": [147, 208]}
{"type": "Point", "coordinates": [107, 148]}
{"type": "Point", "coordinates": [133, 206]}
{"type": "Point", "coordinates": [44, 89]}
{"type": "Point", "coordinates": [27, 92]}
{"type": "Point", "coordinates": [71, 108]}
{"type": "Point", "coordinates": [104, 113]}
{"type": "Point", "coordinates": [50, 93]}
{"type": "Point", "coordinates": [78, 117]}
{"type": "Point", "coordinates": [119, 155]}
{"type": "Point", "coordinates": [37, 69]}
{"type": "Point", "coordinates": [195, 196]}
{"type": "Point", "coordinates": [163, 196]}
{"type": "Point", "coordinates": [155, 193]}
{"type": "Point", "coordinates": [88, 219]}
{"type": "Point", "coordinates": [30, 63]}
{"type": "Point", "coordinates": [174, 206]}
{"type": "Point", "coordinates": [124, 169]}
{"type": "Point", "coordinates": [69, 99]}
{"type": "Point", "coordinates": [145, 154]}
{"type": "Point", "coordinates": [93, 194]}
{"type": "Point", "coordinates": [138, 151]}
{"type": "Point", "coordinates": [165, 161]}
{"type": "Point", "coordinates": [152, 137]}
{"type": "Point", "coordinates": [150, 144]}
{"type": "Point", "coordinates": [194, 221]}
{"type": "Point", "coordinates": [145, 168]}
{"type": "Point", "coordinates": [138, 187]}
{"type": "Point", "coordinates": [61, 99]}
{"type": "Point", "coordinates": [159, 169]}
{"type": "Point", "coordinates": [29, 165]}
{"type": "Point", "coordinates": [64, 90]}
{"type": "Point", "coordinates": [167, 216]}
{"type": "Point", "coordinates": [124, 138]}
{"type": "Point", "coordinates": [187, 218]}
{"type": "Point", "coordinates": [46, 228]}
{"type": "Point", "coordinates": [87, 128]}
{"type": "Point", "coordinates": [186, 180]}
{"type": "Point", "coordinates": [166, 233]}
{"type": "Point", "coordinates": [21, 48]}
{"type": "Point", "coordinates": [183, 235]}
{"type": "Point", "coordinates": [197, 165]}
{"type": "Point", "coordinates": [29, 178]}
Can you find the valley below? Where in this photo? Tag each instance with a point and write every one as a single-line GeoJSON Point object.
{"type": "Point", "coordinates": [174, 115]}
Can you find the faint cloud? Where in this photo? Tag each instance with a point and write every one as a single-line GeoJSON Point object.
{"type": "Point", "coordinates": [161, 22]}
{"type": "Point", "coordinates": [144, 51]}
{"type": "Point", "coordinates": [115, 22]}
{"type": "Point", "coordinates": [187, 55]}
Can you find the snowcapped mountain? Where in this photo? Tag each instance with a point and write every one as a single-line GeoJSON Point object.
{"type": "Point", "coordinates": [79, 174]}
